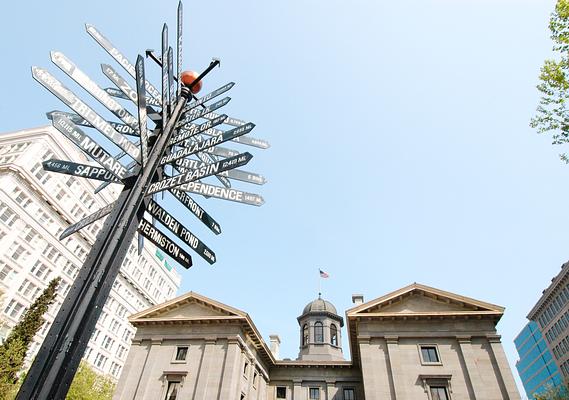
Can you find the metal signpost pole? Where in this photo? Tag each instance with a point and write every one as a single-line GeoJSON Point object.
{"type": "Point", "coordinates": [55, 365]}
{"type": "Point", "coordinates": [174, 139]}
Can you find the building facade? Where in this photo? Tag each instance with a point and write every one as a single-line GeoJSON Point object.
{"type": "Point", "coordinates": [536, 366]}
{"type": "Point", "coordinates": [415, 343]}
{"type": "Point", "coordinates": [551, 313]}
{"type": "Point", "coordinates": [35, 207]}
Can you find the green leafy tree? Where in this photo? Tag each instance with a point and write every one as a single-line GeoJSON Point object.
{"type": "Point", "coordinates": [552, 114]}
{"type": "Point", "coordinates": [553, 393]}
{"type": "Point", "coordinates": [89, 385]}
{"type": "Point", "coordinates": [13, 350]}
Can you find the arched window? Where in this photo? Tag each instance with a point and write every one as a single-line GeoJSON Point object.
{"type": "Point", "coordinates": [305, 335]}
{"type": "Point", "coordinates": [318, 332]}
{"type": "Point", "coordinates": [333, 335]}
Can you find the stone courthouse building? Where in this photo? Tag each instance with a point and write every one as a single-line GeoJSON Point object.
{"type": "Point", "coordinates": [412, 344]}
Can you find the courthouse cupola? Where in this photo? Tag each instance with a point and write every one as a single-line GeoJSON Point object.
{"type": "Point", "coordinates": [320, 332]}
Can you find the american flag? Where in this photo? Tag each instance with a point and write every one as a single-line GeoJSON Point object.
{"type": "Point", "coordinates": [323, 274]}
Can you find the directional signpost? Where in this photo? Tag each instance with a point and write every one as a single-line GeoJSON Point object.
{"type": "Point", "coordinates": [170, 156]}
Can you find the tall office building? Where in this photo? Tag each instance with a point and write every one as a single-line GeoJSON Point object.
{"type": "Point", "coordinates": [35, 207]}
{"type": "Point", "coordinates": [536, 366]}
{"type": "Point", "coordinates": [551, 313]}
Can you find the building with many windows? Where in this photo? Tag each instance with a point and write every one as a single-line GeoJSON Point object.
{"type": "Point", "coordinates": [536, 366]}
{"type": "Point", "coordinates": [35, 207]}
{"type": "Point", "coordinates": [415, 343]}
{"type": "Point", "coordinates": [551, 313]}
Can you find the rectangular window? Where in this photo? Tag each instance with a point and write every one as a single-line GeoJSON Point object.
{"type": "Point", "coordinates": [5, 271]}
{"type": "Point", "coordinates": [349, 394]}
{"type": "Point", "coordinates": [281, 392]}
{"type": "Point", "coordinates": [173, 389]}
{"type": "Point", "coordinates": [429, 354]}
{"type": "Point", "coordinates": [314, 393]}
{"type": "Point", "coordinates": [439, 393]}
{"type": "Point", "coordinates": [181, 353]}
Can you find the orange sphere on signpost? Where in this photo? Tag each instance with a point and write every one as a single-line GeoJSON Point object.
{"type": "Point", "coordinates": [188, 77]}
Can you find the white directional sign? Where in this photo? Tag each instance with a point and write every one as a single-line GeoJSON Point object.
{"type": "Point", "coordinates": [89, 146]}
{"type": "Point", "coordinates": [67, 66]}
{"type": "Point", "coordinates": [141, 98]}
{"type": "Point", "coordinates": [119, 57]}
{"type": "Point", "coordinates": [69, 98]}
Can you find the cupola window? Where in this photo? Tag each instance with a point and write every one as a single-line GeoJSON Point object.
{"type": "Point", "coordinates": [318, 332]}
{"type": "Point", "coordinates": [333, 335]}
{"type": "Point", "coordinates": [305, 335]}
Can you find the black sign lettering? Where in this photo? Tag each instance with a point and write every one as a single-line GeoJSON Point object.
{"type": "Point", "coordinates": [180, 231]}
{"type": "Point", "coordinates": [210, 169]}
{"type": "Point", "coordinates": [76, 169]}
{"type": "Point", "coordinates": [223, 193]}
{"type": "Point", "coordinates": [211, 142]}
{"type": "Point", "coordinates": [195, 209]}
{"type": "Point", "coordinates": [157, 237]}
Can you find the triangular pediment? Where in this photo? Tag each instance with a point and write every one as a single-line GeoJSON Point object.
{"type": "Point", "coordinates": [420, 300]}
{"type": "Point", "coordinates": [189, 306]}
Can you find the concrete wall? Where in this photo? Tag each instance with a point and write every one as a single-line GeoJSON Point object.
{"type": "Point", "coordinates": [330, 380]}
{"type": "Point", "coordinates": [214, 367]}
{"type": "Point", "coordinates": [472, 361]}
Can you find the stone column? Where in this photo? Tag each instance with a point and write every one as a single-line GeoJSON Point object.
{"type": "Point", "coordinates": [135, 365]}
{"type": "Point", "coordinates": [231, 371]}
{"type": "Point", "coordinates": [472, 371]}
{"type": "Point", "coordinates": [331, 390]}
{"type": "Point", "coordinates": [203, 372]}
{"type": "Point", "coordinates": [396, 369]}
{"type": "Point", "coordinates": [504, 368]}
{"type": "Point", "coordinates": [148, 370]}
{"type": "Point", "coordinates": [297, 390]}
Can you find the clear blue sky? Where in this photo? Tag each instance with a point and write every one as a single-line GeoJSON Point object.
{"type": "Point", "coordinates": [400, 152]}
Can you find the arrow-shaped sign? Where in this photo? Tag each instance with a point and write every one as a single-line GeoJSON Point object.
{"type": "Point", "coordinates": [195, 208]}
{"type": "Point", "coordinates": [196, 113]}
{"type": "Point", "coordinates": [209, 159]}
{"type": "Point", "coordinates": [82, 170]}
{"type": "Point", "coordinates": [179, 46]}
{"type": "Point", "coordinates": [89, 146]}
{"type": "Point", "coordinates": [211, 142]}
{"type": "Point", "coordinates": [210, 169]}
{"type": "Point", "coordinates": [79, 120]}
{"type": "Point", "coordinates": [119, 57]}
{"type": "Point", "coordinates": [237, 174]}
{"type": "Point", "coordinates": [161, 240]}
{"type": "Point", "coordinates": [165, 75]}
{"type": "Point", "coordinates": [141, 98]}
{"type": "Point", "coordinates": [209, 96]}
{"type": "Point", "coordinates": [67, 66]}
{"type": "Point", "coordinates": [196, 129]}
{"type": "Point", "coordinates": [162, 216]}
{"type": "Point", "coordinates": [223, 193]}
{"type": "Point", "coordinates": [69, 98]}
{"type": "Point", "coordinates": [88, 220]}
{"type": "Point", "coordinates": [119, 94]}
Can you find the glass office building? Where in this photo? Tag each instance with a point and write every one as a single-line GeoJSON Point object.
{"type": "Point", "coordinates": [536, 366]}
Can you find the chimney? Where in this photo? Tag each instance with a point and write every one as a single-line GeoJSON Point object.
{"type": "Point", "coordinates": [275, 345]}
{"type": "Point", "coordinates": [358, 299]}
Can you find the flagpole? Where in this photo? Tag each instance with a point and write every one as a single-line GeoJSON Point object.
{"type": "Point", "coordinates": [319, 284]}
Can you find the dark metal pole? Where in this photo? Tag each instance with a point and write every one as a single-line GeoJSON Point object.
{"type": "Point", "coordinates": [57, 361]}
